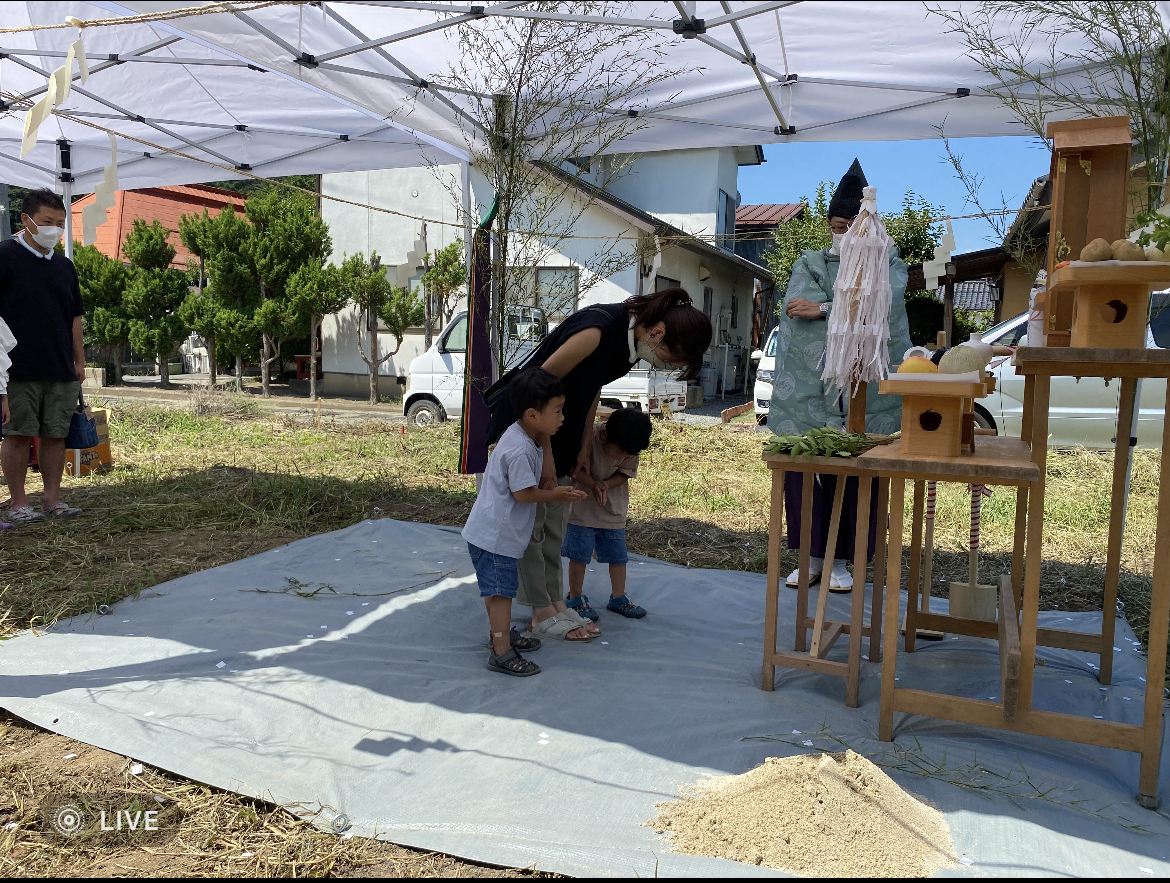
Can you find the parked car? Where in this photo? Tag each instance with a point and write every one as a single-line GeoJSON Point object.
{"type": "Point", "coordinates": [1082, 412]}
{"type": "Point", "coordinates": [765, 360]}
{"type": "Point", "coordinates": [434, 390]}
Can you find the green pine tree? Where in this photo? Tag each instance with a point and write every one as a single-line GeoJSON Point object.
{"type": "Point", "coordinates": [154, 294]}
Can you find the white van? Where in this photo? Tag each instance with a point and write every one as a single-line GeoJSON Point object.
{"type": "Point", "coordinates": [434, 389]}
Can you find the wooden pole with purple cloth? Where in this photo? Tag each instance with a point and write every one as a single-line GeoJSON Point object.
{"type": "Point", "coordinates": [478, 367]}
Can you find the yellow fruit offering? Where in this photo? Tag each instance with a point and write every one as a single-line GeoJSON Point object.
{"type": "Point", "coordinates": [918, 365]}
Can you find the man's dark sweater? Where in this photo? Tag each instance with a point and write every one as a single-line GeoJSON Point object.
{"type": "Point", "coordinates": [39, 299]}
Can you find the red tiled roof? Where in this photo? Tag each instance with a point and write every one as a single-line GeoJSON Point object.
{"type": "Point", "coordinates": [203, 191]}
{"type": "Point", "coordinates": [769, 215]}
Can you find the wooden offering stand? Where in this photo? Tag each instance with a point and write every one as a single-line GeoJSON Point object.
{"type": "Point", "coordinates": [1110, 301]}
{"type": "Point", "coordinates": [938, 418]}
{"type": "Point", "coordinates": [1090, 174]}
{"type": "Point", "coordinates": [806, 655]}
{"type": "Point", "coordinates": [1039, 365]}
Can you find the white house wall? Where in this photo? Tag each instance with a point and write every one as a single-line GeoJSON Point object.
{"type": "Point", "coordinates": [421, 192]}
{"type": "Point", "coordinates": [678, 186]}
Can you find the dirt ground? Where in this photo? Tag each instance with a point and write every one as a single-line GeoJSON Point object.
{"type": "Point", "coordinates": [220, 834]}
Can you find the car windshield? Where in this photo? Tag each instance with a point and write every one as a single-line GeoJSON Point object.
{"type": "Point", "coordinates": [456, 341]}
{"type": "Point", "coordinates": [1007, 333]}
{"type": "Point", "coordinates": [770, 346]}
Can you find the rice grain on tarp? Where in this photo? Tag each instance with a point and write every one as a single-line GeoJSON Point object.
{"type": "Point", "coordinates": [817, 815]}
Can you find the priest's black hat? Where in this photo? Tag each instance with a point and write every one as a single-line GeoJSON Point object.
{"type": "Point", "coordinates": [846, 201]}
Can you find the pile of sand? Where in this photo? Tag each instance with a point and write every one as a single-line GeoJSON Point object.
{"type": "Point", "coordinates": [826, 815]}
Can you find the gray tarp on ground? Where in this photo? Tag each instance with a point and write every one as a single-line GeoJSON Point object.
{"type": "Point", "coordinates": [380, 707]}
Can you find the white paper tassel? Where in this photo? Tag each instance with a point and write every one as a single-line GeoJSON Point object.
{"type": "Point", "coordinates": [94, 214]}
{"type": "Point", "coordinates": [856, 347]}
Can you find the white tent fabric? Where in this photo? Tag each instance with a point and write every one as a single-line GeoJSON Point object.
{"type": "Point", "coordinates": [299, 88]}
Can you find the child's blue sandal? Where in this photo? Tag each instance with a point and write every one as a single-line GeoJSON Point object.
{"type": "Point", "coordinates": [581, 605]}
{"type": "Point", "coordinates": [625, 607]}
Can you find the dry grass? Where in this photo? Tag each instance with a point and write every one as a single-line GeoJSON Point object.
{"type": "Point", "coordinates": [191, 492]}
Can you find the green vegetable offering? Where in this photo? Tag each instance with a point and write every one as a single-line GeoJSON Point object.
{"type": "Point", "coordinates": [825, 442]}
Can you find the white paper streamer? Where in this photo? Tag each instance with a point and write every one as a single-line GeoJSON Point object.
{"type": "Point", "coordinates": [60, 82]}
{"type": "Point", "coordinates": [857, 343]}
{"type": "Point", "coordinates": [94, 214]}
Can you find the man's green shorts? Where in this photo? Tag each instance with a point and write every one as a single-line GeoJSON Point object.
{"type": "Point", "coordinates": [41, 408]}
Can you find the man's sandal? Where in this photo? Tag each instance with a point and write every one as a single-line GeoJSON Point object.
{"type": "Point", "coordinates": [519, 642]}
{"type": "Point", "coordinates": [25, 515]}
{"type": "Point", "coordinates": [559, 627]}
{"type": "Point", "coordinates": [512, 663]}
{"type": "Point", "coordinates": [586, 624]}
{"type": "Point", "coordinates": [61, 510]}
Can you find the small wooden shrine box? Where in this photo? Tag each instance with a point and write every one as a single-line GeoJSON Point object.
{"type": "Point", "coordinates": [1110, 300]}
{"type": "Point", "coordinates": [937, 416]}
{"type": "Point", "coordinates": [1090, 181]}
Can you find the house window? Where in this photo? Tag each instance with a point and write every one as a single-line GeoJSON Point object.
{"type": "Point", "coordinates": [662, 283]}
{"type": "Point", "coordinates": [708, 300]}
{"type": "Point", "coordinates": [734, 311]}
{"type": "Point", "coordinates": [725, 222]}
{"type": "Point", "coordinates": [556, 291]}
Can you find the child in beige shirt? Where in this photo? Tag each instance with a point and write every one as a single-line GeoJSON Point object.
{"type": "Point", "coordinates": [598, 523]}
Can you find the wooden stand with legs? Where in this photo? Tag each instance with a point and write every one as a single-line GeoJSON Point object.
{"type": "Point", "coordinates": [1020, 595]}
{"type": "Point", "coordinates": [810, 655]}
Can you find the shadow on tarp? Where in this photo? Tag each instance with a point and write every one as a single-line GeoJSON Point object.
{"type": "Point", "coordinates": [347, 669]}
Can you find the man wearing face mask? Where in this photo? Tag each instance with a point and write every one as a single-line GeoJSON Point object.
{"type": "Point", "coordinates": [802, 401]}
{"type": "Point", "coordinates": [40, 299]}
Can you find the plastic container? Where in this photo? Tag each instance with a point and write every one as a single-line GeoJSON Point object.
{"type": "Point", "coordinates": [707, 376]}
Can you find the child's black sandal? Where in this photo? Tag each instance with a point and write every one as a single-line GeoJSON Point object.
{"type": "Point", "coordinates": [512, 663]}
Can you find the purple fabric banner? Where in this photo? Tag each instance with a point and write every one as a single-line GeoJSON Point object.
{"type": "Point", "coordinates": [478, 372]}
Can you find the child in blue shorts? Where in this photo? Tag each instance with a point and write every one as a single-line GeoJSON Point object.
{"type": "Point", "coordinates": [598, 522]}
{"type": "Point", "coordinates": [501, 521]}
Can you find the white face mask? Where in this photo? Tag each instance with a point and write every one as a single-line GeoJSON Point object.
{"type": "Point", "coordinates": [646, 352]}
{"type": "Point", "coordinates": [47, 237]}
{"type": "Point", "coordinates": [838, 238]}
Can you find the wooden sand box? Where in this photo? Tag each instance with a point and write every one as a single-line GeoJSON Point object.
{"type": "Point", "coordinates": [815, 815]}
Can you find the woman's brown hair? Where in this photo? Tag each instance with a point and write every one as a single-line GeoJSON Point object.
{"type": "Point", "coordinates": [688, 329]}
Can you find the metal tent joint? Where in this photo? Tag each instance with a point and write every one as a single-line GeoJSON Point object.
{"type": "Point", "coordinates": [688, 30]}
{"type": "Point", "coordinates": [962, 92]}
{"type": "Point", "coordinates": [306, 60]}
{"type": "Point", "coordinates": [343, 137]}
{"type": "Point", "coordinates": [781, 130]}
{"type": "Point", "coordinates": [244, 167]}
{"type": "Point", "coordinates": [240, 127]}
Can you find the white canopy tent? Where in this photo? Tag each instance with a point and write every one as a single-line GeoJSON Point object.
{"type": "Point", "coordinates": [292, 88]}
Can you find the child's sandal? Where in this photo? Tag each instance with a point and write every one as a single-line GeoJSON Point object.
{"type": "Point", "coordinates": [512, 663]}
{"type": "Point", "coordinates": [580, 604]}
{"type": "Point", "coordinates": [625, 607]}
{"type": "Point", "coordinates": [520, 642]}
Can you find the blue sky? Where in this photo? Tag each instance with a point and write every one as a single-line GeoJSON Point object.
{"type": "Point", "coordinates": [1008, 165]}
